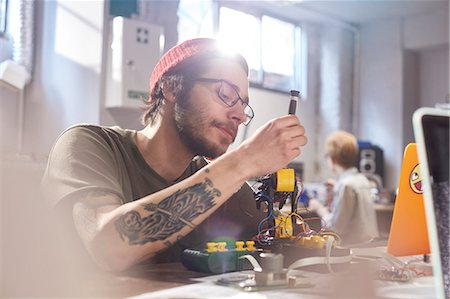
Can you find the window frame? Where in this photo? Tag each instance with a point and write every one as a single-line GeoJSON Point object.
{"type": "Point", "coordinates": [300, 58]}
{"type": "Point", "coordinates": [3, 17]}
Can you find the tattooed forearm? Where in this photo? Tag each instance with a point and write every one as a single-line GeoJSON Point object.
{"type": "Point", "coordinates": [169, 216]}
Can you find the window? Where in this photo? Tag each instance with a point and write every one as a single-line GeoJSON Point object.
{"type": "Point", "coordinates": [241, 32]}
{"type": "Point", "coordinates": [272, 47]}
{"type": "Point", "coordinates": [3, 5]}
{"type": "Point", "coordinates": [278, 55]}
{"type": "Point", "coordinates": [195, 19]}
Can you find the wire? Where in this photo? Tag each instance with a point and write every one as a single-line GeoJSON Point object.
{"type": "Point", "coordinates": [262, 232]}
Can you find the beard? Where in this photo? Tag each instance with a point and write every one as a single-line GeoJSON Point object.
{"type": "Point", "coordinates": [192, 124]}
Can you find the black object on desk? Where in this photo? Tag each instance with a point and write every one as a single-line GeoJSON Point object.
{"type": "Point", "coordinates": [216, 262]}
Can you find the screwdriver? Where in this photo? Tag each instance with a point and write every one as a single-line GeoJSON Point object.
{"type": "Point", "coordinates": [295, 95]}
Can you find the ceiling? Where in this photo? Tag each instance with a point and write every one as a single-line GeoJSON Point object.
{"type": "Point", "coordinates": [365, 11]}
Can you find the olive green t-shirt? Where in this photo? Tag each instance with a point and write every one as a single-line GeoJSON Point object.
{"type": "Point", "coordinates": [89, 161]}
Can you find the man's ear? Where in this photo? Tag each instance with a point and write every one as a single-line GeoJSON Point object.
{"type": "Point", "coordinates": [168, 93]}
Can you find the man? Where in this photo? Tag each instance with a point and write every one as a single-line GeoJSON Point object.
{"type": "Point", "coordinates": [351, 212]}
{"type": "Point", "coordinates": [133, 195]}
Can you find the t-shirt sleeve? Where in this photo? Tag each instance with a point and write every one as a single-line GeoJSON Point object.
{"type": "Point", "coordinates": [81, 165]}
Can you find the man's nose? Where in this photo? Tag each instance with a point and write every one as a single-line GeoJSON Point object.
{"type": "Point", "coordinates": [237, 112]}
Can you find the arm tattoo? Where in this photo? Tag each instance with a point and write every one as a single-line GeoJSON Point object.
{"type": "Point", "coordinates": [169, 216]}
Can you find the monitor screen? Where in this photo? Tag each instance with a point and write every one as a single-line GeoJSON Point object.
{"type": "Point", "coordinates": [436, 139]}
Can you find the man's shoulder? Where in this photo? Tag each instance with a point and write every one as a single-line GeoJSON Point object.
{"type": "Point", "coordinates": [94, 129]}
{"type": "Point", "coordinates": [90, 131]}
{"type": "Point", "coordinates": [88, 136]}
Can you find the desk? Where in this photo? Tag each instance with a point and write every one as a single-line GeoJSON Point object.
{"type": "Point", "coordinates": [174, 281]}
{"type": "Point", "coordinates": [384, 218]}
{"type": "Point", "coordinates": [141, 280]}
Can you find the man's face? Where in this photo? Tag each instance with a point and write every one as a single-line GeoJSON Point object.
{"type": "Point", "coordinates": [206, 125]}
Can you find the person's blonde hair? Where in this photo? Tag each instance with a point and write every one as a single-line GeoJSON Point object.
{"type": "Point", "coordinates": [342, 148]}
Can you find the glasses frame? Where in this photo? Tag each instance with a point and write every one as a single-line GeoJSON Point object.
{"type": "Point", "coordinates": [249, 116]}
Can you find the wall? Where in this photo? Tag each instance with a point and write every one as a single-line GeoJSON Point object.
{"type": "Point", "coordinates": [426, 31]}
{"type": "Point", "coordinates": [380, 116]}
{"type": "Point", "coordinates": [433, 75]}
{"type": "Point", "coordinates": [411, 88]}
{"type": "Point", "coordinates": [426, 82]}
{"type": "Point", "coordinates": [65, 88]}
{"type": "Point", "coordinates": [9, 125]}
{"type": "Point", "coordinates": [390, 52]}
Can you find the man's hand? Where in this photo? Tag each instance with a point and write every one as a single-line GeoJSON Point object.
{"type": "Point", "coordinates": [273, 146]}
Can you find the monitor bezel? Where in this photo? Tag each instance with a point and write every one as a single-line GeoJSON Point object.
{"type": "Point", "coordinates": [419, 135]}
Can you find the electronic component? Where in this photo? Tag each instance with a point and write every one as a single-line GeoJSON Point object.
{"type": "Point", "coordinates": [393, 274]}
{"type": "Point", "coordinates": [217, 258]}
{"type": "Point", "coordinates": [271, 271]}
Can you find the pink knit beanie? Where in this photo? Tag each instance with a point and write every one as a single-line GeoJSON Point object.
{"type": "Point", "coordinates": [179, 54]}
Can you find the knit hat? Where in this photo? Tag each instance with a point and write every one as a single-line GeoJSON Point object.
{"type": "Point", "coordinates": [180, 54]}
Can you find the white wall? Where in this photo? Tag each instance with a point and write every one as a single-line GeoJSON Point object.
{"type": "Point", "coordinates": [380, 117]}
{"type": "Point", "coordinates": [434, 75]}
{"type": "Point", "coordinates": [386, 103]}
{"type": "Point", "coordinates": [66, 82]}
{"type": "Point", "coordinates": [411, 92]}
{"type": "Point", "coordinates": [426, 31]}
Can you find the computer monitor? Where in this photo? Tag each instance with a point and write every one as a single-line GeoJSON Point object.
{"type": "Point", "coordinates": [431, 131]}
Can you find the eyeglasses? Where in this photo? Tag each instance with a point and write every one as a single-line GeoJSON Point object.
{"type": "Point", "coordinates": [230, 96]}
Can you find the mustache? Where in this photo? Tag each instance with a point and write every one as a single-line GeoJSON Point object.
{"type": "Point", "coordinates": [228, 126]}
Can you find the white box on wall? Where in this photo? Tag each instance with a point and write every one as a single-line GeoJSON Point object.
{"type": "Point", "coordinates": [136, 47]}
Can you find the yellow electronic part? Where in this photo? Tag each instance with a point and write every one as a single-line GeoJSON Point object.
{"type": "Point", "coordinates": [222, 246]}
{"type": "Point", "coordinates": [313, 242]}
{"type": "Point", "coordinates": [240, 246]}
{"type": "Point", "coordinates": [283, 227]}
{"type": "Point", "coordinates": [211, 246]}
{"type": "Point", "coordinates": [250, 245]}
{"type": "Point", "coordinates": [285, 180]}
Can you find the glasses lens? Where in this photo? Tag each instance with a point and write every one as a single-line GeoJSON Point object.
{"type": "Point", "coordinates": [228, 94]}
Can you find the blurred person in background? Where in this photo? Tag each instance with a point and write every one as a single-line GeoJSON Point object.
{"type": "Point", "coordinates": [348, 209]}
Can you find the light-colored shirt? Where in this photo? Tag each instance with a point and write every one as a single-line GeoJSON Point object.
{"type": "Point", "coordinates": [353, 214]}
